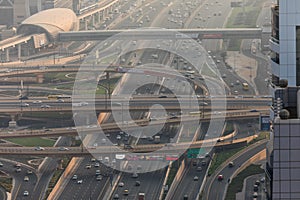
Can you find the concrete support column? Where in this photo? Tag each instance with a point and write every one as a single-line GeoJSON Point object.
{"type": "Point", "coordinates": [39, 78]}
{"type": "Point", "coordinates": [12, 123]}
{"type": "Point", "coordinates": [19, 51]}
{"type": "Point", "coordinates": [93, 20]}
{"type": "Point", "coordinates": [99, 17]}
{"type": "Point", "coordinates": [85, 24]}
{"type": "Point", "coordinates": [7, 55]}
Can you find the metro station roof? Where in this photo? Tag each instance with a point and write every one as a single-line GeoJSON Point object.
{"type": "Point", "coordinates": [51, 22]}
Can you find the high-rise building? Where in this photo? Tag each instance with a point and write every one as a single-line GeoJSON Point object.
{"type": "Point", "coordinates": [6, 12]}
{"type": "Point", "coordinates": [283, 150]}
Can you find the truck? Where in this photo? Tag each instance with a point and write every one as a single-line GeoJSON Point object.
{"type": "Point", "coordinates": [157, 139]}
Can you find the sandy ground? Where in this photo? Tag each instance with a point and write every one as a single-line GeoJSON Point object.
{"type": "Point", "coordinates": [244, 66]}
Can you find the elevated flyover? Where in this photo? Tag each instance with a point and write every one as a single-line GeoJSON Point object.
{"type": "Point", "coordinates": [81, 151]}
{"type": "Point", "coordinates": [112, 127]}
{"type": "Point", "coordinates": [152, 34]}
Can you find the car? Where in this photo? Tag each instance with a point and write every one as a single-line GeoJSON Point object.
{"type": "Point", "coordinates": [126, 192]}
{"type": "Point", "coordinates": [135, 175]}
{"type": "Point", "coordinates": [97, 164]}
{"type": "Point", "coordinates": [93, 159]}
{"type": "Point", "coordinates": [220, 140]}
{"type": "Point", "coordinates": [119, 137]}
{"type": "Point", "coordinates": [255, 195]}
{"type": "Point", "coordinates": [137, 183]}
{"type": "Point", "coordinates": [255, 188]}
{"type": "Point", "coordinates": [88, 166]}
{"type": "Point", "coordinates": [29, 172]}
{"type": "Point", "coordinates": [63, 149]}
{"type": "Point", "coordinates": [235, 92]}
{"type": "Point", "coordinates": [257, 182]}
{"type": "Point", "coordinates": [84, 103]}
{"type": "Point", "coordinates": [17, 165]}
{"type": "Point", "coordinates": [199, 169]}
{"type": "Point", "coordinates": [24, 105]}
{"type": "Point", "coordinates": [38, 148]}
{"type": "Point", "coordinates": [23, 98]}
{"type": "Point", "coordinates": [74, 177]}
{"type": "Point", "coordinates": [79, 181]}
{"type": "Point", "coordinates": [254, 110]}
{"type": "Point", "coordinates": [196, 178]}
{"type": "Point", "coordinates": [99, 177]}
{"type": "Point", "coordinates": [185, 197]}
{"type": "Point", "coordinates": [194, 163]}
{"type": "Point", "coordinates": [230, 164]}
{"type": "Point", "coordinates": [116, 196]}
{"type": "Point", "coordinates": [201, 103]}
{"type": "Point", "coordinates": [1, 164]}
{"type": "Point", "coordinates": [220, 177]}
{"type": "Point", "coordinates": [60, 101]}
{"type": "Point", "coordinates": [262, 180]}
{"type": "Point", "coordinates": [121, 184]}
{"type": "Point", "coordinates": [25, 193]}
{"type": "Point", "coordinates": [37, 101]}
{"type": "Point", "coordinates": [18, 170]}
{"type": "Point", "coordinates": [129, 167]}
{"type": "Point", "coordinates": [203, 163]}
{"type": "Point", "coordinates": [98, 172]}
{"type": "Point", "coordinates": [26, 178]}
{"type": "Point", "coordinates": [45, 106]}
{"type": "Point", "coordinates": [163, 96]}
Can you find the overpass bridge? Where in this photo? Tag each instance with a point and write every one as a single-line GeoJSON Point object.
{"type": "Point", "coordinates": [109, 150]}
{"type": "Point", "coordinates": [112, 127]}
{"type": "Point", "coordinates": [153, 34]}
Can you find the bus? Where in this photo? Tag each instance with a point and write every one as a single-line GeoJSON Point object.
{"type": "Point", "coordinates": [245, 86]}
{"type": "Point", "coordinates": [58, 96]}
{"type": "Point", "coordinates": [195, 113]}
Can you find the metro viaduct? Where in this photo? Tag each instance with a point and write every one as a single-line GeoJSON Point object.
{"type": "Point", "coordinates": [152, 34]}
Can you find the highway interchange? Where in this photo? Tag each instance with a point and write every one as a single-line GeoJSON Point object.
{"type": "Point", "coordinates": [153, 14]}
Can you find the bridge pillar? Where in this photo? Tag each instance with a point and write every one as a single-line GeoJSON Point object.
{"type": "Point", "coordinates": [93, 20]}
{"type": "Point", "coordinates": [99, 17]}
{"type": "Point", "coordinates": [7, 54]}
{"type": "Point", "coordinates": [19, 51]}
{"type": "Point", "coordinates": [12, 123]}
{"type": "Point", "coordinates": [85, 24]}
{"type": "Point", "coordinates": [40, 78]}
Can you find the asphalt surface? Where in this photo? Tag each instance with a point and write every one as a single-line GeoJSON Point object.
{"type": "Point", "coordinates": [20, 185]}
{"type": "Point", "coordinates": [217, 188]}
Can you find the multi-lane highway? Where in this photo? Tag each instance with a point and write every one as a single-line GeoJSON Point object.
{"type": "Point", "coordinates": [171, 14]}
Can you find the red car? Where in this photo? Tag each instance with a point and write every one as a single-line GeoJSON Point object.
{"type": "Point", "coordinates": [220, 177]}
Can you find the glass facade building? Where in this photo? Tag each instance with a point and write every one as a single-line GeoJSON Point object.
{"type": "Point", "coordinates": [283, 150]}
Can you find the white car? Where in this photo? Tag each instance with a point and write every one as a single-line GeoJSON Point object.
{"type": "Point", "coordinates": [25, 193]}
{"type": "Point", "coordinates": [24, 105]}
{"type": "Point", "coordinates": [79, 181]}
{"type": "Point", "coordinates": [39, 148]}
{"type": "Point", "coordinates": [36, 102]}
{"type": "Point", "coordinates": [45, 106]}
{"type": "Point", "coordinates": [63, 149]}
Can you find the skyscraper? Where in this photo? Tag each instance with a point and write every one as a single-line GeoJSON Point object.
{"type": "Point", "coordinates": [283, 150]}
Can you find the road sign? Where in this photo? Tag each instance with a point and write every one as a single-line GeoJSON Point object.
{"type": "Point", "coordinates": [264, 122]}
{"type": "Point", "coordinates": [193, 153]}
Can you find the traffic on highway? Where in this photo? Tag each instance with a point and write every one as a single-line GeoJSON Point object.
{"type": "Point", "coordinates": [107, 99]}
